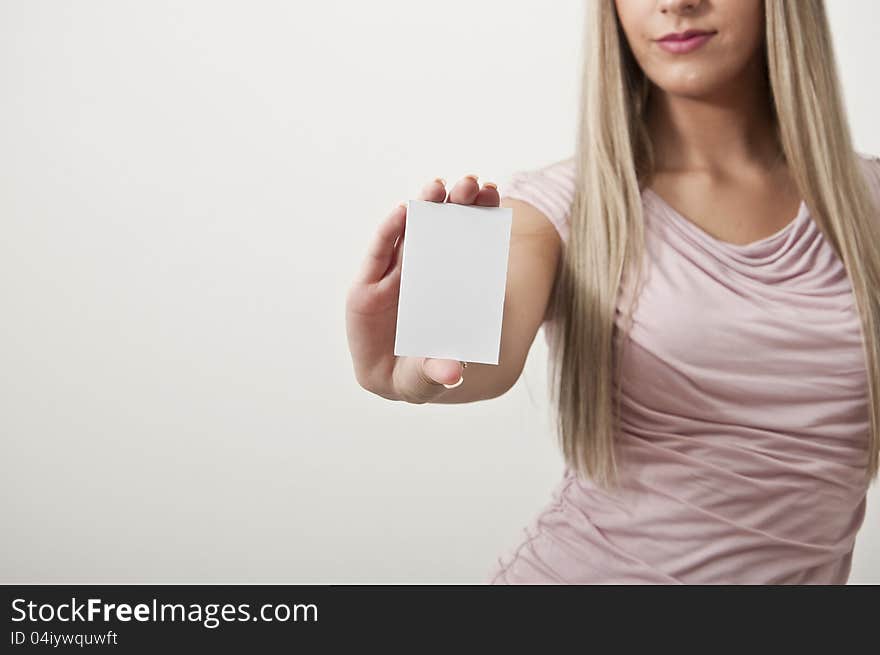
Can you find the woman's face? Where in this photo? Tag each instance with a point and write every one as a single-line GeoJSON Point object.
{"type": "Point", "coordinates": [737, 28]}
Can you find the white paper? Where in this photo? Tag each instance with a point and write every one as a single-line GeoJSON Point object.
{"type": "Point", "coordinates": [453, 280]}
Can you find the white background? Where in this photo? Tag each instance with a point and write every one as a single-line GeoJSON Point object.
{"type": "Point", "coordinates": [186, 190]}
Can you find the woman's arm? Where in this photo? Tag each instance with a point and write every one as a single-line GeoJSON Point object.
{"type": "Point", "coordinates": [534, 252]}
{"type": "Point", "coordinates": [371, 307]}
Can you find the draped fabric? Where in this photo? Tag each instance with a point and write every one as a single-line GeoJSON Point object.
{"type": "Point", "coordinates": [745, 422]}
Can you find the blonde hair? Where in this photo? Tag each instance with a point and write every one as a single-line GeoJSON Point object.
{"type": "Point", "coordinates": [614, 157]}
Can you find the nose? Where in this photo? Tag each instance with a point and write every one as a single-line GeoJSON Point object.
{"type": "Point", "coordinates": [679, 6]}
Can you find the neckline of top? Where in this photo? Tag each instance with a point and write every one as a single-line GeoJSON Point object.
{"type": "Point", "coordinates": [737, 247]}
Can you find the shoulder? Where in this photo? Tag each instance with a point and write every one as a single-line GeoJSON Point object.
{"type": "Point", "coordinates": [871, 166]}
{"type": "Point", "coordinates": [549, 188]}
{"type": "Point", "coordinates": [871, 169]}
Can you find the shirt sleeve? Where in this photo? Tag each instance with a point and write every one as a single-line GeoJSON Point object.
{"type": "Point", "coordinates": [549, 189]}
{"type": "Point", "coordinates": [871, 164]}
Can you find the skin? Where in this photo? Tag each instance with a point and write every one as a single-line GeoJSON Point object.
{"type": "Point", "coordinates": [371, 306]}
{"type": "Point", "coordinates": [717, 165]}
{"type": "Point", "coordinates": [710, 117]}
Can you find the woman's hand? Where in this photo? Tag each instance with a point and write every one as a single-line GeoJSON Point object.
{"type": "Point", "coordinates": [371, 307]}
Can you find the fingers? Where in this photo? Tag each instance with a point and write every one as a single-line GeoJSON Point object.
{"type": "Point", "coordinates": [488, 196]}
{"type": "Point", "coordinates": [465, 191]}
{"type": "Point", "coordinates": [383, 253]}
{"type": "Point", "coordinates": [434, 191]}
{"type": "Point", "coordinates": [391, 279]}
{"type": "Point", "coordinates": [381, 249]}
{"type": "Point", "coordinates": [420, 379]}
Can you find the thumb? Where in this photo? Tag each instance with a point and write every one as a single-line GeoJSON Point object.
{"type": "Point", "coordinates": [448, 372]}
{"type": "Point", "coordinates": [421, 379]}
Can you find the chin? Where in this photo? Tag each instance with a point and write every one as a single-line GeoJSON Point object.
{"type": "Point", "coordinates": [692, 84]}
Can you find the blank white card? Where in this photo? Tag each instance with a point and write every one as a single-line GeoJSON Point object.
{"type": "Point", "coordinates": [453, 279]}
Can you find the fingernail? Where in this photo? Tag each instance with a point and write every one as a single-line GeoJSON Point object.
{"type": "Point", "coordinates": [452, 386]}
{"type": "Point", "coordinates": [401, 204]}
{"type": "Point", "coordinates": [491, 185]}
{"type": "Point", "coordinates": [474, 178]}
{"type": "Point", "coordinates": [440, 180]}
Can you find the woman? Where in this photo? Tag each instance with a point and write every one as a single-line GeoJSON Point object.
{"type": "Point", "coordinates": [707, 270]}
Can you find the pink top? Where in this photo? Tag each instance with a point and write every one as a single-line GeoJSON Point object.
{"type": "Point", "coordinates": [745, 415]}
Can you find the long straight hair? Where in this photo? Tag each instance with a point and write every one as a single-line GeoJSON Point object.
{"type": "Point", "coordinates": [615, 157]}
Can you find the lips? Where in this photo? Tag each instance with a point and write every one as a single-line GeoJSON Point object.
{"type": "Point", "coordinates": [684, 42]}
{"type": "Point", "coordinates": [684, 36]}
